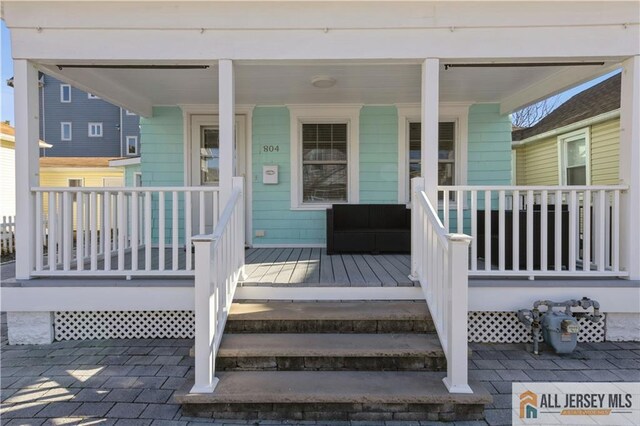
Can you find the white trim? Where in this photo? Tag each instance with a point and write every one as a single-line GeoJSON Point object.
{"type": "Point", "coordinates": [562, 153]}
{"type": "Point", "coordinates": [569, 127]}
{"type": "Point", "coordinates": [62, 87]}
{"type": "Point", "coordinates": [119, 162]}
{"type": "Point", "coordinates": [514, 165]}
{"type": "Point", "coordinates": [62, 124]}
{"type": "Point", "coordinates": [98, 127]}
{"type": "Point", "coordinates": [325, 113]}
{"type": "Point", "coordinates": [408, 113]}
{"type": "Point", "coordinates": [135, 145]}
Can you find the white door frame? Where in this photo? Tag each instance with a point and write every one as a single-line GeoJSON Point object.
{"type": "Point", "coordinates": [244, 113]}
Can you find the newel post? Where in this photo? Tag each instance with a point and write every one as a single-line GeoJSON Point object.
{"type": "Point", "coordinates": [457, 340]}
{"type": "Point", "coordinates": [205, 313]}
{"type": "Point", "coordinates": [417, 185]}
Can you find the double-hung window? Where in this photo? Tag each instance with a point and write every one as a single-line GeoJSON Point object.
{"type": "Point", "coordinates": [132, 145]}
{"type": "Point", "coordinates": [65, 93]}
{"type": "Point", "coordinates": [446, 151]}
{"type": "Point", "coordinates": [95, 130]}
{"type": "Point", "coordinates": [574, 158]}
{"type": "Point", "coordinates": [324, 163]}
{"type": "Point", "coordinates": [65, 131]}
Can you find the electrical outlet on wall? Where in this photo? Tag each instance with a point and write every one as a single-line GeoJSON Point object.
{"type": "Point", "coordinates": [260, 233]}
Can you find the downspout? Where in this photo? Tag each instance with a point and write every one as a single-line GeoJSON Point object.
{"type": "Point", "coordinates": [121, 147]}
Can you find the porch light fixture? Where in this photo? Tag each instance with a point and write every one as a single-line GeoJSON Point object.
{"type": "Point", "coordinates": [522, 64]}
{"type": "Point", "coordinates": [323, 81]}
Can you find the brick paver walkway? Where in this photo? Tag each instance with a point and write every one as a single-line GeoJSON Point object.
{"type": "Point", "coordinates": [131, 382]}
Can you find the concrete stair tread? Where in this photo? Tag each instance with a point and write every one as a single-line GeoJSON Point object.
{"type": "Point", "coordinates": [346, 311]}
{"type": "Point", "coordinates": [329, 345]}
{"type": "Point", "coordinates": [375, 387]}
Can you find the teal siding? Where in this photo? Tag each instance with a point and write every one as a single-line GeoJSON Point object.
{"type": "Point", "coordinates": [162, 162]}
{"type": "Point", "coordinates": [272, 203]}
{"type": "Point", "coordinates": [129, 172]}
{"type": "Point", "coordinates": [379, 155]}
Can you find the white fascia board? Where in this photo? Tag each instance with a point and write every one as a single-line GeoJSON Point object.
{"type": "Point", "coordinates": [569, 128]}
{"type": "Point", "coordinates": [111, 91]}
{"type": "Point", "coordinates": [552, 85]}
{"type": "Point", "coordinates": [120, 162]}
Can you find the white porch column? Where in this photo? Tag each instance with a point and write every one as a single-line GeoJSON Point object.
{"type": "Point", "coordinates": [226, 104]}
{"type": "Point", "coordinates": [27, 135]}
{"type": "Point", "coordinates": [429, 149]}
{"type": "Point", "coordinates": [630, 167]}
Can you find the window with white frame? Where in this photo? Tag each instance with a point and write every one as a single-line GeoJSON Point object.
{"type": "Point", "coordinates": [92, 96]}
{"type": "Point", "coordinates": [75, 183]}
{"type": "Point", "coordinates": [95, 130]}
{"type": "Point", "coordinates": [65, 131]}
{"type": "Point", "coordinates": [65, 93]}
{"type": "Point", "coordinates": [324, 155]}
{"type": "Point", "coordinates": [446, 151]}
{"type": "Point", "coordinates": [132, 145]}
{"type": "Point", "coordinates": [574, 158]}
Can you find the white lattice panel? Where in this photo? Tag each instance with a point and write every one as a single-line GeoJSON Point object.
{"type": "Point", "coordinates": [123, 325]}
{"type": "Point", "coordinates": [504, 327]}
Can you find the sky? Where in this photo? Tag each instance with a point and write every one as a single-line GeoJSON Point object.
{"type": "Point", "coordinates": [6, 108]}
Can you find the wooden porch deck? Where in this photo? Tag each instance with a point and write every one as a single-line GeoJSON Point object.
{"type": "Point", "coordinates": [312, 267]}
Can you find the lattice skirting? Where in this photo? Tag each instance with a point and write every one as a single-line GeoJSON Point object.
{"type": "Point", "coordinates": [124, 325]}
{"type": "Point", "coordinates": [487, 327]}
{"type": "Point", "coordinates": [504, 327]}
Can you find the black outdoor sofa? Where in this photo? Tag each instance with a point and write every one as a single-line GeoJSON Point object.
{"type": "Point", "coordinates": [368, 228]}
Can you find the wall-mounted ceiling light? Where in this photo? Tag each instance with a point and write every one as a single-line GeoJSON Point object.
{"type": "Point", "coordinates": [323, 81]}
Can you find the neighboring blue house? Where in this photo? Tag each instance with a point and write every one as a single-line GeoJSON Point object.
{"type": "Point", "coordinates": [79, 124]}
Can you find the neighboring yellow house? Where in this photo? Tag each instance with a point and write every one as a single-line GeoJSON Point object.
{"type": "Point", "coordinates": [8, 169]}
{"type": "Point", "coordinates": [577, 144]}
{"type": "Point", "coordinates": [79, 171]}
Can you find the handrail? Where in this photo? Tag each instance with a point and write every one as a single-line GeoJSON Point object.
{"type": "Point", "coordinates": [439, 263]}
{"type": "Point", "coordinates": [452, 188]}
{"type": "Point", "coordinates": [219, 264]}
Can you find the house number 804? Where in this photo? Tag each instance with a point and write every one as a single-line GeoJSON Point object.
{"type": "Point", "coordinates": [271, 148]}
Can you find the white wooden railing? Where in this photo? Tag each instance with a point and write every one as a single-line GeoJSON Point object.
{"type": "Point", "coordinates": [219, 265]}
{"type": "Point", "coordinates": [120, 231]}
{"type": "Point", "coordinates": [7, 234]}
{"type": "Point", "coordinates": [439, 262]}
{"type": "Point", "coordinates": [558, 231]}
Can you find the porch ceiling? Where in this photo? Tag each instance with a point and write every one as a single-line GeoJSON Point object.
{"type": "Point", "coordinates": [272, 83]}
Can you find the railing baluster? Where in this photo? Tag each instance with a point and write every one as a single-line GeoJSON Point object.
{"type": "Point", "coordinates": [607, 227]}
{"type": "Point", "coordinates": [586, 231]}
{"type": "Point", "coordinates": [79, 231]}
{"type": "Point", "coordinates": [107, 230]}
{"type": "Point", "coordinates": [573, 229]}
{"type": "Point", "coordinates": [201, 214]}
{"type": "Point", "coordinates": [615, 233]}
{"type": "Point", "coordinates": [148, 223]}
{"type": "Point", "coordinates": [52, 245]}
{"type": "Point", "coordinates": [445, 209]}
{"type": "Point", "coordinates": [121, 230]}
{"type": "Point", "coordinates": [487, 230]}
{"type": "Point", "coordinates": [39, 227]}
{"type": "Point", "coordinates": [501, 231]}
{"type": "Point", "coordinates": [515, 240]}
{"type": "Point", "coordinates": [544, 241]}
{"type": "Point", "coordinates": [93, 201]}
{"type": "Point", "coordinates": [459, 212]}
{"type": "Point", "coordinates": [60, 227]}
{"type": "Point", "coordinates": [135, 232]}
{"type": "Point", "coordinates": [174, 231]}
{"type": "Point", "coordinates": [558, 231]}
{"type": "Point", "coordinates": [600, 230]}
{"type": "Point", "coordinates": [161, 231]}
{"type": "Point", "coordinates": [529, 230]}
{"type": "Point", "coordinates": [474, 230]}
{"type": "Point", "coordinates": [188, 230]}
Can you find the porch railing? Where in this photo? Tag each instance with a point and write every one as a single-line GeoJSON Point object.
{"type": "Point", "coordinates": [219, 266]}
{"type": "Point", "coordinates": [537, 230]}
{"type": "Point", "coordinates": [8, 234]}
{"type": "Point", "coordinates": [439, 261]}
{"type": "Point", "coordinates": [120, 231]}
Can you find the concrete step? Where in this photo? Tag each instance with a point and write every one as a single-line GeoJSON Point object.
{"type": "Point", "coordinates": [334, 395]}
{"type": "Point", "coordinates": [309, 352]}
{"type": "Point", "coordinates": [330, 317]}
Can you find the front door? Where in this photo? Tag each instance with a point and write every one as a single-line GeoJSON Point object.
{"type": "Point", "coordinates": [205, 157]}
